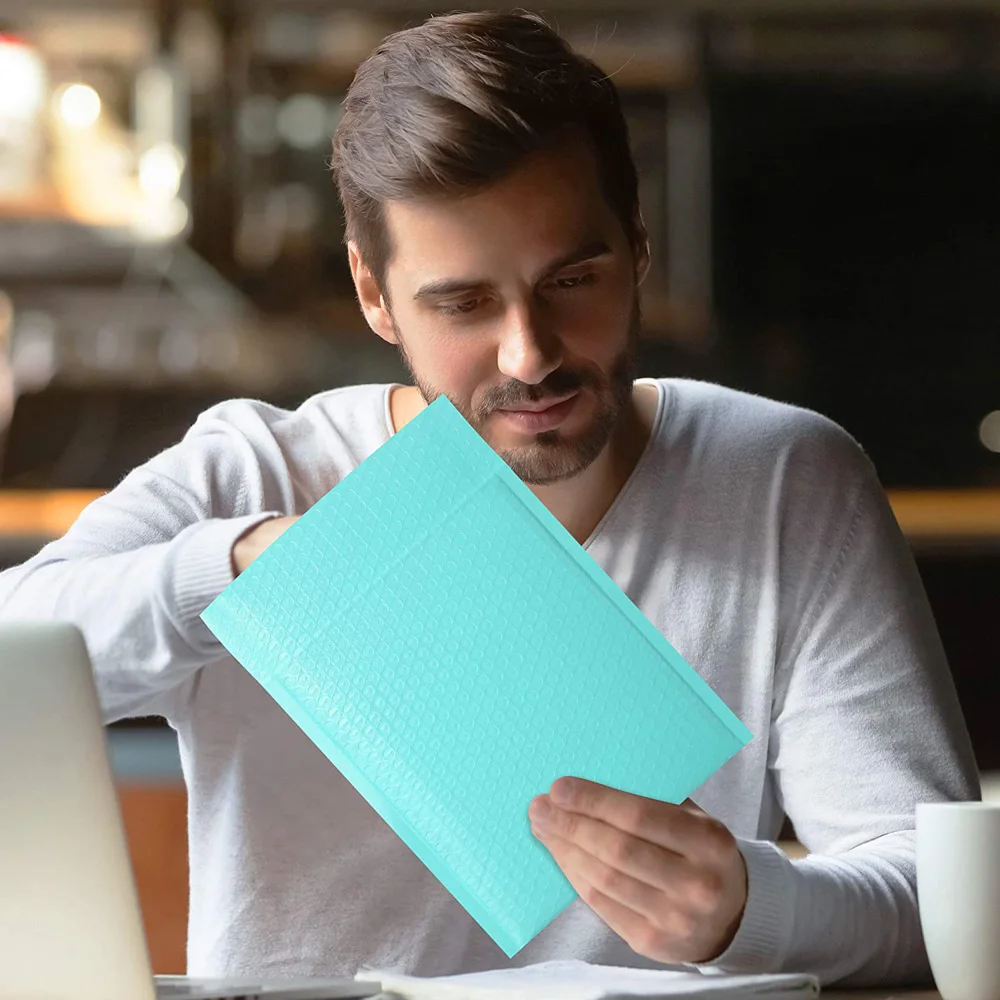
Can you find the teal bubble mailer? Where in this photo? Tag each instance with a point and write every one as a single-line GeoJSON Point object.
{"type": "Point", "coordinates": [453, 650]}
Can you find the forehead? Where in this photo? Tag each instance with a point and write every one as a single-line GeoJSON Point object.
{"type": "Point", "coordinates": [545, 207]}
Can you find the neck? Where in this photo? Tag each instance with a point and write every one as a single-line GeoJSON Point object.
{"type": "Point", "coordinates": [581, 502]}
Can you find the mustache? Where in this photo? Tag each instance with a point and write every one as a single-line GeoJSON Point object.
{"type": "Point", "coordinates": [565, 381]}
{"type": "Point", "coordinates": [559, 383]}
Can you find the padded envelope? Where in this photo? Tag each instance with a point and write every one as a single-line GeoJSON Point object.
{"type": "Point", "coordinates": [453, 650]}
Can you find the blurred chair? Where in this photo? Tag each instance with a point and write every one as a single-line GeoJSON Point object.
{"type": "Point", "coordinates": [6, 368]}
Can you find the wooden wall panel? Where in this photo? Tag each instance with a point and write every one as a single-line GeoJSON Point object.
{"type": "Point", "coordinates": [155, 818]}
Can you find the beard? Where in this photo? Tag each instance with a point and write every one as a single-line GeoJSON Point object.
{"type": "Point", "coordinates": [553, 455]}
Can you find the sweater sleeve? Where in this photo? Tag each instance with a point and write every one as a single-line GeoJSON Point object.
{"type": "Point", "coordinates": [866, 724]}
{"type": "Point", "coordinates": [141, 563]}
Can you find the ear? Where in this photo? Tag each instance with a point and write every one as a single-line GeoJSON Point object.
{"type": "Point", "coordinates": [370, 297]}
{"type": "Point", "coordinates": [641, 250]}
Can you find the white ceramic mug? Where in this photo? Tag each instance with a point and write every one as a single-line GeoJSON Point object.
{"type": "Point", "coordinates": [958, 885]}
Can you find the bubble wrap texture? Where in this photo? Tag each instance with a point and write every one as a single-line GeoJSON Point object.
{"type": "Point", "coordinates": [453, 650]}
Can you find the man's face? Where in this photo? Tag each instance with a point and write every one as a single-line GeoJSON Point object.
{"type": "Point", "coordinates": [521, 295]}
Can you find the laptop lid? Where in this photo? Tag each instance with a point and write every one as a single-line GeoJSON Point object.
{"type": "Point", "coordinates": [70, 923]}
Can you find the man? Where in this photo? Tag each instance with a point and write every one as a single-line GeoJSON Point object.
{"type": "Point", "coordinates": [494, 236]}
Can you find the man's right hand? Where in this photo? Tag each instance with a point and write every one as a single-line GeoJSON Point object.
{"type": "Point", "coordinates": [250, 545]}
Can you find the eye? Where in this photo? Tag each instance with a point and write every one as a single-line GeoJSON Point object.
{"type": "Point", "coordinates": [460, 308]}
{"type": "Point", "coordinates": [575, 281]}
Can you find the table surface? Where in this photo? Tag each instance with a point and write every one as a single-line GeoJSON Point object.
{"type": "Point", "coordinates": [903, 994]}
{"type": "Point", "coordinates": [899, 994]}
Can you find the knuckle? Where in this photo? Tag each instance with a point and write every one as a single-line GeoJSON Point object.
{"type": "Point", "coordinates": [637, 815]}
{"type": "Point", "coordinates": [650, 941]}
{"type": "Point", "coordinates": [611, 882]}
{"type": "Point", "coordinates": [623, 850]}
{"type": "Point", "coordinates": [683, 930]}
{"type": "Point", "coordinates": [706, 891]}
{"type": "Point", "coordinates": [590, 893]}
{"type": "Point", "coordinates": [718, 841]}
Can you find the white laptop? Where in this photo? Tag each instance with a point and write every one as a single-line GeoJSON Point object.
{"type": "Point", "coordinates": [70, 926]}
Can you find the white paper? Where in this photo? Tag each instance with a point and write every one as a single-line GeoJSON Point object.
{"type": "Point", "coordinates": [575, 980]}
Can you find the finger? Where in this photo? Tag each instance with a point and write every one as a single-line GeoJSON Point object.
{"type": "Point", "coordinates": [633, 856]}
{"type": "Point", "coordinates": [640, 934]}
{"type": "Point", "coordinates": [627, 924]}
{"type": "Point", "coordinates": [632, 893]}
{"type": "Point", "coordinates": [663, 823]}
{"type": "Point", "coordinates": [633, 928]}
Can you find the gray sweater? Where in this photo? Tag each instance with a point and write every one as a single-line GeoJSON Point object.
{"type": "Point", "coordinates": [754, 535]}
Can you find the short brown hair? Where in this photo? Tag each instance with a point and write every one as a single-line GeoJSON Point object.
{"type": "Point", "coordinates": [455, 103]}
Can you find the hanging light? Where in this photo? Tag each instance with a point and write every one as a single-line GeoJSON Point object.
{"type": "Point", "coordinates": [989, 431]}
{"type": "Point", "coordinates": [79, 105]}
{"type": "Point", "coordinates": [161, 170]}
{"type": "Point", "coordinates": [23, 74]}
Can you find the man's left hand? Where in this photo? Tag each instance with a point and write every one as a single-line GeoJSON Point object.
{"type": "Point", "coordinates": [670, 880]}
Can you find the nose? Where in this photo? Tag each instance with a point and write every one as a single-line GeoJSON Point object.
{"type": "Point", "coordinates": [526, 350]}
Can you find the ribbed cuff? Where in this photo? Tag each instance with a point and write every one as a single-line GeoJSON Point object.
{"type": "Point", "coordinates": [200, 569]}
{"type": "Point", "coordinates": [761, 943]}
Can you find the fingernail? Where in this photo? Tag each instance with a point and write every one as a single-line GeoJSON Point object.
{"type": "Point", "coordinates": [562, 792]}
{"type": "Point", "coordinates": [539, 811]}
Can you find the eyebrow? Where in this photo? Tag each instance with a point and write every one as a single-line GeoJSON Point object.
{"type": "Point", "coordinates": [453, 286]}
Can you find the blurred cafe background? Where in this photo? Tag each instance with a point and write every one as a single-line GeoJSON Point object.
{"type": "Point", "coordinates": [821, 181]}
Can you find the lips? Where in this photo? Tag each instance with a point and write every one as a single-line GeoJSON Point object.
{"type": "Point", "coordinates": [537, 407]}
{"type": "Point", "coordinates": [543, 416]}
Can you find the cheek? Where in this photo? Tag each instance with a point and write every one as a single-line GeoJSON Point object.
{"type": "Point", "coordinates": [453, 361]}
{"type": "Point", "coordinates": [595, 325]}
